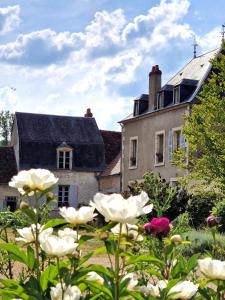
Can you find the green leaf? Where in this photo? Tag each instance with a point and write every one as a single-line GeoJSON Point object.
{"type": "Point", "coordinates": [30, 257]}
{"type": "Point", "coordinates": [135, 295]}
{"type": "Point", "coordinates": [107, 227]}
{"type": "Point", "coordinates": [98, 269]}
{"type": "Point", "coordinates": [55, 223]}
{"type": "Point", "coordinates": [30, 213]}
{"type": "Point", "coordinates": [110, 246]}
{"type": "Point", "coordinates": [18, 254]}
{"type": "Point", "coordinates": [85, 238]}
{"type": "Point", "coordinates": [144, 258]}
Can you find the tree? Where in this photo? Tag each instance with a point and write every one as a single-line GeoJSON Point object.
{"type": "Point", "coordinates": [6, 121]}
{"type": "Point", "coordinates": [205, 127]}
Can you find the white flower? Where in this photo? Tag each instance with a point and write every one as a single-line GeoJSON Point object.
{"type": "Point", "coordinates": [28, 234]}
{"type": "Point", "coordinates": [176, 238]}
{"type": "Point", "coordinates": [183, 290]}
{"type": "Point", "coordinates": [93, 276]}
{"type": "Point", "coordinates": [212, 268]}
{"type": "Point", "coordinates": [70, 293]}
{"type": "Point", "coordinates": [56, 246]}
{"type": "Point", "coordinates": [69, 232]}
{"type": "Point", "coordinates": [78, 216]}
{"type": "Point", "coordinates": [33, 180]}
{"type": "Point", "coordinates": [115, 208]}
{"type": "Point", "coordinates": [133, 281]}
{"type": "Point", "coordinates": [128, 230]}
{"type": "Point", "coordinates": [153, 290]}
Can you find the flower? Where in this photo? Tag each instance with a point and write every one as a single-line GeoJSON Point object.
{"type": "Point", "coordinates": [117, 209]}
{"type": "Point", "coordinates": [128, 230]}
{"type": "Point", "coordinates": [153, 290]}
{"type": "Point", "coordinates": [69, 232]}
{"type": "Point", "coordinates": [183, 290]}
{"type": "Point", "coordinates": [132, 283]}
{"type": "Point", "coordinates": [93, 276]}
{"type": "Point", "coordinates": [158, 226]}
{"type": "Point", "coordinates": [33, 180]}
{"type": "Point", "coordinates": [176, 239]}
{"type": "Point", "coordinates": [28, 234]}
{"type": "Point", "coordinates": [56, 246]}
{"type": "Point", "coordinates": [211, 221]}
{"type": "Point", "coordinates": [70, 293]}
{"type": "Point", "coordinates": [78, 216]}
{"type": "Point", "coordinates": [212, 268]}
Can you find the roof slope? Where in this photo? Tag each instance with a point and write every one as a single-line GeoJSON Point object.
{"type": "Point", "coordinates": [7, 164]}
{"type": "Point", "coordinates": [114, 167]}
{"type": "Point", "coordinates": [112, 143]}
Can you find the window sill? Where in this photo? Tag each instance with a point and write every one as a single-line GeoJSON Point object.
{"type": "Point", "coordinates": [132, 167]}
{"type": "Point", "coordinates": [159, 164]}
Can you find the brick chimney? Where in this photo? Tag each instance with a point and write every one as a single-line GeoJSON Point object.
{"type": "Point", "coordinates": [154, 86]}
{"type": "Point", "coordinates": [88, 114]}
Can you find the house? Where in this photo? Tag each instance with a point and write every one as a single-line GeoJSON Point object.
{"type": "Point", "coordinates": [153, 131]}
{"type": "Point", "coordinates": [73, 148]}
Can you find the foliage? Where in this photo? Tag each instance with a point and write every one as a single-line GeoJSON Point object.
{"type": "Point", "coordinates": [167, 200]}
{"type": "Point", "coordinates": [205, 127]}
{"type": "Point", "coordinates": [199, 208]}
{"type": "Point", "coordinates": [181, 224]}
{"type": "Point", "coordinates": [219, 212]}
{"type": "Point", "coordinates": [9, 219]}
{"type": "Point", "coordinates": [6, 121]}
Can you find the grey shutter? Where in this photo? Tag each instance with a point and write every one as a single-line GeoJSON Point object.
{"type": "Point", "coordinates": [183, 144]}
{"type": "Point", "coordinates": [73, 196]}
{"type": "Point", "coordinates": [170, 145]}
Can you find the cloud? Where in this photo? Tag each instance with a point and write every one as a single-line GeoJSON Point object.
{"type": "Point", "coordinates": [9, 18]}
{"type": "Point", "coordinates": [8, 98]}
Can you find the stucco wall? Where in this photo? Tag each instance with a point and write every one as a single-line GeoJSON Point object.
{"type": "Point", "coordinates": [109, 184]}
{"type": "Point", "coordinates": [5, 191]}
{"type": "Point", "coordinates": [145, 129]}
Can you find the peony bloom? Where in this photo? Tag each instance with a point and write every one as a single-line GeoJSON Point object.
{"type": "Point", "coordinates": [117, 209]}
{"type": "Point", "coordinates": [158, 227]}
{"type": "Point", "coordinates": [128, 230]}
{"type": "Point", "coordinates": [70, 293]}
{"type": "Point", "coordinates": [28, 234]}
{"type": "Point", "coordinates": [211, 221]}
{"type": "Point", "coordinates": [78, 216]}
{"type": "Point", "coordinates": [183, 290]}
{"type": "Point", "coordinates": [69, 232]}
{"type": "Point", "coordinates": [93, 276]}
{"type": "Point", "coordinates": [133, 281]}
{"type": "Point", "coordinates": [153, 290]}
{"type": "Point", "coordinates": [212, 268]}
{"type": "Point", "coordinates": [56, 246]}
{"type": "Point", "coordinates": [34, 180]}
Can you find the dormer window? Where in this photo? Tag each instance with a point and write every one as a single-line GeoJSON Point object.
{"type": "Point", "coordinates": [64, 157]}
{"type": "Point", "coordinates": [136, 108]}
{"type": "Point", "coordinates": [176, 94]}
{"type": "Point", "coordinates": [160, 100]}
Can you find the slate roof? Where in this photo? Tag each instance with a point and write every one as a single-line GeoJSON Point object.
{"type": "Point", "coordinates": [40, 135]}
{"type": "Point", "coordinates": [114, 167]}
{"type": "Point", "coordinates": [7, 164]}
{"type": "Point", "coordinates": [112, 143]}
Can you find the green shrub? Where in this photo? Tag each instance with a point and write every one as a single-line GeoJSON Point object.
{"type": "Point", "coordinates": [219, 212]}
{"type": "Point", "coordinates": [181, 224]}
{"type": "Point", "coordinates": [8, 219]}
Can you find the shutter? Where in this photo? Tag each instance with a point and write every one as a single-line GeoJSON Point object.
{"type": "Point", "coordinates": [183, 143]}
{"type": "Point", "coordinates": [2, 203]}
{"type": "Point", "coordinates": [73, 196]}
{"type": "Point", "coordinates": [170, 145]}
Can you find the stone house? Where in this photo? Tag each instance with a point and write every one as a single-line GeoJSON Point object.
{"type": "Point", "coordinates": [73, 148]}
{"type": "Point", "coordinates": [153, 131]}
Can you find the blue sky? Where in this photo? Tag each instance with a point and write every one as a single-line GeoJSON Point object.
{"type": "Point", "coordinates": [63, 56]}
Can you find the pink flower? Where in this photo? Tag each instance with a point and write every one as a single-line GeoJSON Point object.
{"type": "Point", "coordinates": [211, 221]}
{"type": "Point", "coordinates": [158, 227]}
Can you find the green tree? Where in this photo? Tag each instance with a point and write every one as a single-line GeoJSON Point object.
{"type": "Point", "coordinates": [205, 127]}
{"type": "Point", "coordinates": [6, 121]}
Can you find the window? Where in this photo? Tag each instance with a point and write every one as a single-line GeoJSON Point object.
{"type": "Point", "coordinates": [136, 108]}
{"type": "Point", "coordinates": [133, 152]}
{"type": "Point", "coordinates": [159, 147]}
{"type": "Point", "coordinates": [176, 139]}
{"type": "Point", "coordinates": [160, 100]}
{"type": "Point", "coordinates": [11, 202]}
{"type": "Point", "coordinates": [64, 158]}
{"type": "Point", "coordinates": [176, 94]}
{"type": "Point", "coordinates": [63, 195]}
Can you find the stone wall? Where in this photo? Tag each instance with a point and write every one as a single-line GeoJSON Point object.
{"type": "Point", "coordinates": [110, 184]}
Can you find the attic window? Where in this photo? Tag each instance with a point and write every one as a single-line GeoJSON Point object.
{"type": "Point", "coordinates": [160, 100]}
{"type": "Point", "coordinates": [136, 108]}
{"type": "Point", "coordinates": [64, 157]}
{"type": "Point", "coordinates": [176, 94]}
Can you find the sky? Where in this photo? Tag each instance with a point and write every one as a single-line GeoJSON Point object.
{"type": "Point", "coordinates": [64, 56]}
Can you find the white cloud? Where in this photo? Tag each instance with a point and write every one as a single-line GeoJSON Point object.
{"type": "Point", "coordinates": [8, 98]}
{"type": "Point", "coordinates": [9, 18]}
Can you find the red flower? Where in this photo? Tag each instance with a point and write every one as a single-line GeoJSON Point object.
{"type": "Point", "coordinates": [211, 221]}
{"type": "Point", "coordinates": [158, 226]}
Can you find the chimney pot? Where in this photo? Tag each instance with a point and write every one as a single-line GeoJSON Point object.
{"type": "Point", "coordinates": [88, 113]}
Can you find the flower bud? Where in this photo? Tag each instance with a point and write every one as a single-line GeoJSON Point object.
{"type": "Point", "coordinates": [176, 239]}
{"type": "Point", "coordinates": [211, 221]}
{"type": "Point", "coordinates": [23, 205]}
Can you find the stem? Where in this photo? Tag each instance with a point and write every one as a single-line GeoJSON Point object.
{"type": "Point", "coordinates": [60, 278]}
{"type": "Point", "coordinates": [9, 260]}
{"type": "Point", "coordinates": [117, 265]}
{"type": "Point", "coordinates": [218, 290]}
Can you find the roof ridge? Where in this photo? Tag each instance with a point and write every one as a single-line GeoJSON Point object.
{"type": "Point", "coordinates": [50, 115]}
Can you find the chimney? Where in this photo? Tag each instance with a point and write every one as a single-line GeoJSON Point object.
{"type": "Point", "coordinates": [88, 114]}
{"type": "Point", "coordinates": [154, 86]}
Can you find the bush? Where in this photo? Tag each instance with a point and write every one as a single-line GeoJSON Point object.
{"type": "Point", "coordinates": [8, 219]}
{"type": "Point", "coordinates": [219, 212]}
{"type": "Point", "coordinates": [199, 208]}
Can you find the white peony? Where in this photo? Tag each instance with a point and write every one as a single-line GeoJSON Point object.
{"type": "Point", "coordinates": [153, 290]}
{"type": "Point", "coordinates": [93, 276]}
{"type": "Point", "coordinates": [28, 234]}
{"type": "Point", "coordinates": [56, 246]}
{"type": "Point", "coordinates": [70, 293]}
{"type": "Point", "coordinates": [133, 281]}
{"type": "Point", "coordinates": [78, 216]}
{"type": "Point", "coordinates": [183, 290]}
{"type": "Point", "coordinates": [69, 232]}
{"type": "Point", "coordinates": [117, 209]}
{"type": "Point", "coordinates": [33, 180]}
{"type": "Point", "coordinates": [128, 230]}
{"type": "Point", "coordinates": [212, 268]}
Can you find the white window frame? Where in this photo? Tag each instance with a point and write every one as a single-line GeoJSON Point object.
{"type": "Point", "coordinates": [158, 133]}
{"type": "Point", "coordinates": [133, 138]}
{"type": "Point", "coordinates": [174, 130]}
{"type": "Point", "coordinates": [176, 99]}
{"type": "Point", "coordinates": [160, 100]}
{"type": "Point", "coordinates": [136, 108]}
{"type": "Point", "coordinates": [63, 186]}
{"type": "Point", "coordinates": [65, 150]}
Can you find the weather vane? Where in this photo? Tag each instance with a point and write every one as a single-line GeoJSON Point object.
{"type": "Point", "coordinates": [195, 45]}
{"type": "Point", "coordinates": [223, 32]}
